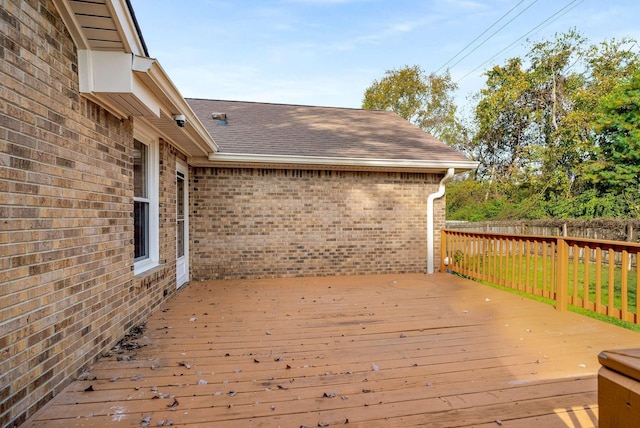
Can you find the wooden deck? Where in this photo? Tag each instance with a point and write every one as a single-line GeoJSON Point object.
{"type": "Point", "coordinates": [397, 350]}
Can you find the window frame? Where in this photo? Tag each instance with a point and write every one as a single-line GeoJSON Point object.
{"type": "Point", "coordinates": [145, 136]}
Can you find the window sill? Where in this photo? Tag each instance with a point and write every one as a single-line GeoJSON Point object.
{"type": "Point", "coordinates": [144, 266]}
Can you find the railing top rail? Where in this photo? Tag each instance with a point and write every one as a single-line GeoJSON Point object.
{"type": "Point", "coordinates": [542, 238]}
{"type": "Point", "coordinates": [583, 242]}
{"type": "Point", "coordinates": [602, 243]}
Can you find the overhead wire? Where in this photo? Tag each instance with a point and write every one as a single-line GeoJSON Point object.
{"type": "Point", "coordinates": [494, 33]}
{"type": "Point", "coordinates": [481, 34]}
{"type": "Point", "coordinates": [548, 21]}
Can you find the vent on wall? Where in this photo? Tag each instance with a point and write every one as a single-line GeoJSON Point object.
{"type": "Point", "coordinates": [220, 117]}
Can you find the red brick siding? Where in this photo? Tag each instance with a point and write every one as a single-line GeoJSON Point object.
{"type": "Point", "coordinates": [252, 223]}
{"type": "Point", "coordinates": [67, 289]}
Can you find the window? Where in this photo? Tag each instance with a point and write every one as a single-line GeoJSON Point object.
{"type": "Point", "coordinates": [180, 214]}
{"type": "Point", "coordinates": [145, 206]}
{"type": "Point", "coordinates": [140, 201]}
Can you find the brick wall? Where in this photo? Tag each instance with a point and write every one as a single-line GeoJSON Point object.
{"type": "Point", "coordinates": [67, 289]}
{"type": "Point", "coordinates": [268, 223]}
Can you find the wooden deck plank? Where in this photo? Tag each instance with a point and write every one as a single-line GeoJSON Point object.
{"type": "Point", "coordinates": [397, 350]}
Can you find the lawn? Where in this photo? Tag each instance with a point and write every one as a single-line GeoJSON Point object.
{"type": "Point", "coordinates": [607, 283]}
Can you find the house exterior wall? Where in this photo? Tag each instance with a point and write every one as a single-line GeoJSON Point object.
{"type": "Point", "coordinates": [255, 223]}
{"type": "Point", "coordinates": [67, 288]}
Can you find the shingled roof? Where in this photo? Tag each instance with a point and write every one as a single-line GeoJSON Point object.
{"type": "Point", "coordinates": [285, 130]}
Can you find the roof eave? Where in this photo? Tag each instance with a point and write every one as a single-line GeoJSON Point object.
{"type": "Point", "coordinates": [129, 84]}
{"type": "Point", "coordinates": [341, 163]}
{"type": "Point", "coordinates": [154, 76]}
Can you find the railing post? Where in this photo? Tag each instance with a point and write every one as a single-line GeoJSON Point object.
{"type": "Point", "coordinates": [443, 250]}
{"type": "Point", "coordinates": [562, 275]}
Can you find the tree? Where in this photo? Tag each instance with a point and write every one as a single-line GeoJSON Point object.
{"type": "Point", "coordinates": [603, 66]}
{"type": "Point", "coordinates": [503, 115]}
{"type": "Point", "coordinates": [615, 166]}
{"type": "Point", "coordinates": [424, 100]}
{"type": "Point", "coordinates": [538, 127]}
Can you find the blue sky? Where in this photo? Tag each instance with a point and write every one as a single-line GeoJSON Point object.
{"type": "Point", "coordinates": [327, 52]}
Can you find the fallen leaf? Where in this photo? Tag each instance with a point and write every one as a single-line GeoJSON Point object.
{"type": "Point", "coordinates": [375, 367]}
{"type": "Point", "coordinates": [185, 365]}
{"type": "Point", "coordinates": [174, 404]}
{"type": "Point", "coordinates": [89, 389]}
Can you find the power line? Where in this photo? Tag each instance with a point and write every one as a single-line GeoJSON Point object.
{"type": "Point", "coordinates": [494, 33]}
{"type": "Point", "coordinates": [557, 15]}
{"type": "Point", "coordinates": [482, 34]}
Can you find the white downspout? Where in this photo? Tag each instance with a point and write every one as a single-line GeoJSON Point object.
{"type": "Point", "coordinates": [430, 226]}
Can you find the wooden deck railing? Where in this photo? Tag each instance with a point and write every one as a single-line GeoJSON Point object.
{"type": "Point", "coordinates": [599, 276]}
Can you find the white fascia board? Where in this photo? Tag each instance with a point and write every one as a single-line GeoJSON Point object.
{"type": "Point", "coordinates": [69, 18]}
{"type": "Point", "coordinates": [239, 158]}
{"type": "Point", "coordinates": [153, 73]}
{"type": "Point", "coordinates": [146, 96]}
{"type": "Point", "coordinates": [126, 26]}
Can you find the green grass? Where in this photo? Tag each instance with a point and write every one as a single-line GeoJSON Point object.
{"type": "Point", "coordinates": [517, 273]}
{"type": "Point", "coordinates": [551, 302]}
{"type": "Point", "coordinates": [616, 286]}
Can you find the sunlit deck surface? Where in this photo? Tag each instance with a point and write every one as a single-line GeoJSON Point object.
{"type": "Point", "coordinates": [396, 350]}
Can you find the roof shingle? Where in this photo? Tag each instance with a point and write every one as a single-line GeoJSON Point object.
{"type": "Point", "coordinates": [297, 130]}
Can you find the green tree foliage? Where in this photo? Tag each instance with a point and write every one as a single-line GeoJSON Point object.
{"type": "Point", "coordinates": [424, 100]}
{"type": "Point", "coordinates": [555, 132]}
{"type": "Point", "coordinates": [615, 164]}
{"type": "Point", "coordinates": [502, 117]}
